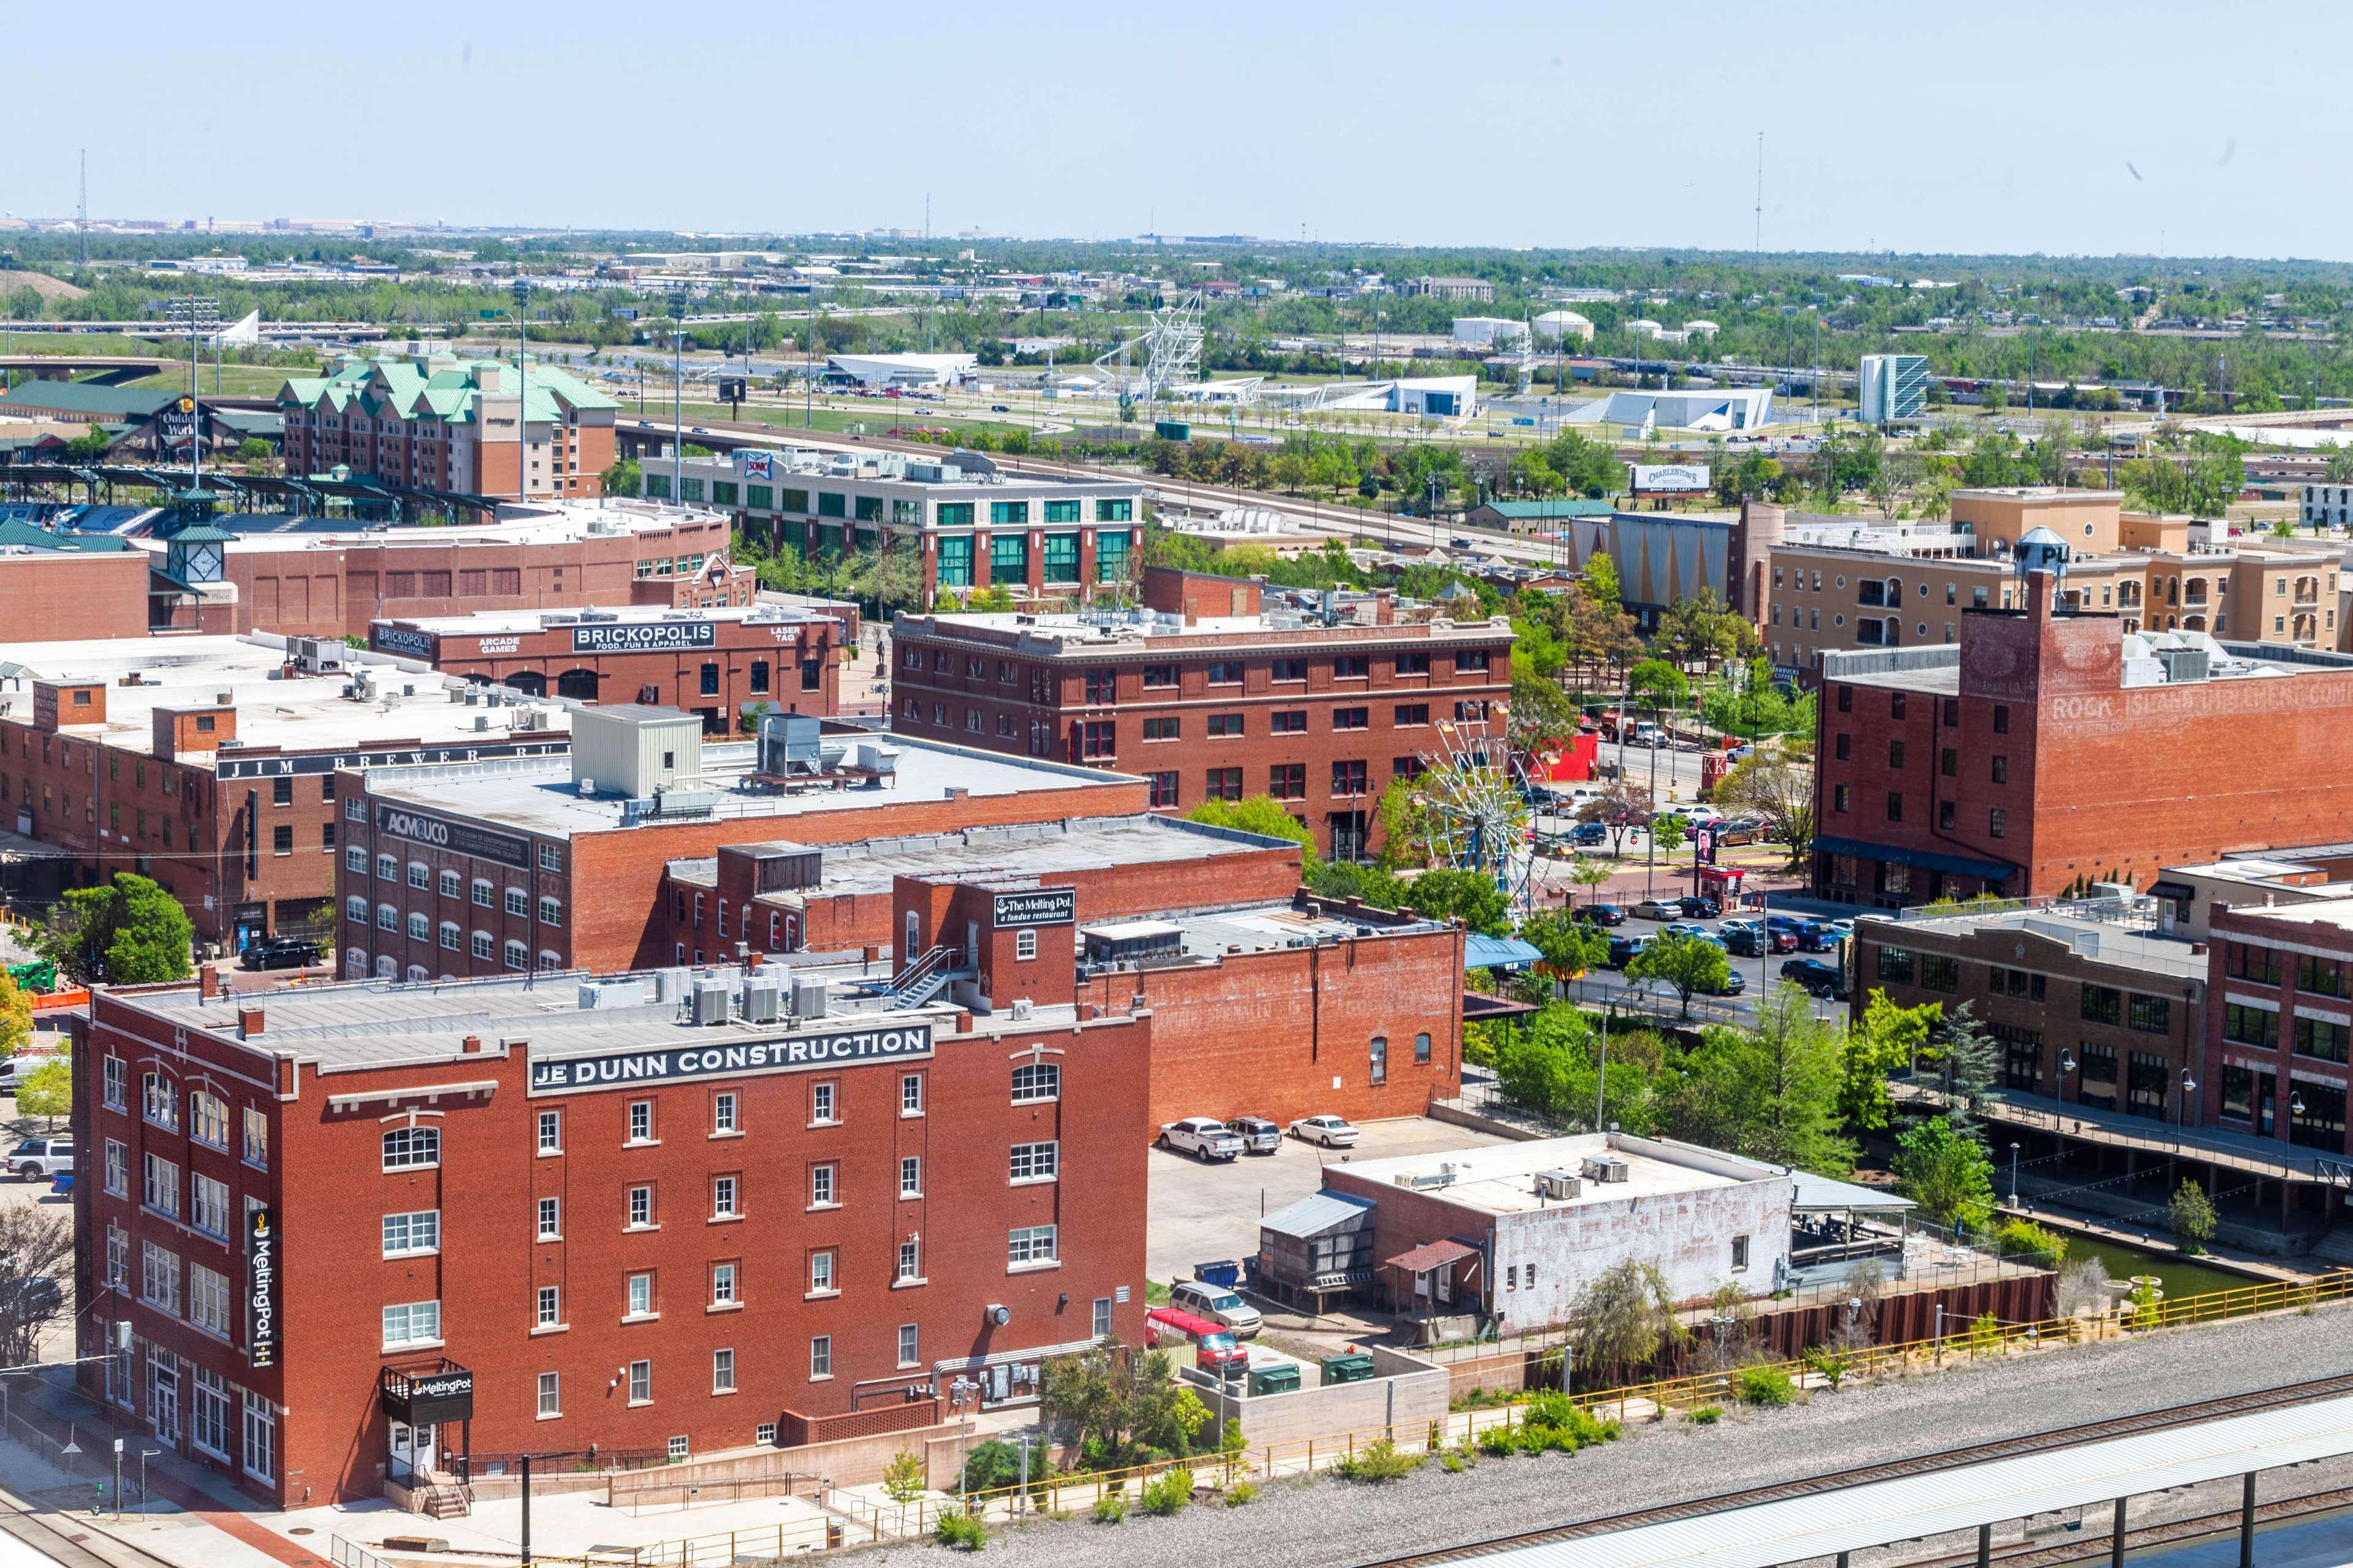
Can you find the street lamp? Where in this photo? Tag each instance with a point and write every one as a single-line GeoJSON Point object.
{"type": "Point", "coordinates": [196, 311]}
{"type": "Point", "coordinates": [523, 391]}
{"type": "Point", "coordinates": [2181, 1111]}
{"type": "Point", "coordinates": [677, 393]}
{"type": "Point", "coordinates": [2013, 1175]}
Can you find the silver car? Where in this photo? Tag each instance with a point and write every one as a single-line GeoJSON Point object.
{"type": "Point", "coordinates": [1259, 1135]}
{"type": "Point", "coordinates": [1219, 1304]}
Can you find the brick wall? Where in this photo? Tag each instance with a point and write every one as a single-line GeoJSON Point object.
{"type": "Point", "coordinates": [66, 596]}
{"type": "Point", "coordinates": [796, 1430]}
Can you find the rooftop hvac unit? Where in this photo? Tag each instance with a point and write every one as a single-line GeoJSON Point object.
{"type": "Point", "coordinates": [763, 1002]}
{"type": "Point", "coordinates": [712, 1000]}
{"type": "Point", "coordinates": [586, 787]}
{"type": "Point", "coordinates": [482, 723]}
{"type": "Point", "coordinates": [471, 696]}
{"type": "Point", "coordinates": [1023, 1008]}
{"type": "Point", "coordinates": [1603, 1168]}
{"type": "Point", "coordinates": [875, 757]}
{"type": "Point", "coordinates": [670, 986]}
{"type": "Point", "coordinates": [811, 998]}
{"type": "Point", "coordinates": [600, 993]}
{"type": "Point", "coordinates": [789, 743]}
{"type": "Point", "coordinates": [1559, 1186]}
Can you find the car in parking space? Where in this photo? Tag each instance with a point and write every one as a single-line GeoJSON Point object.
{"type": "Point", "coordinates": [1699, 813]}
{"type": "Point", "coordinates": [1752, 938]}
{"type": "Point", "coordinates": [1696, 908]}
{"type": "Point", "coordinates": [1331, 1131]}
{"type": "Point", "coordinates": [1739, 830]}
{"type": "Point", "coordinates": [1658, 909]}
{"type": "Point", "coordinates": [1219, 1304]}
{"type": "Point", "coordinates": [1733, 984]}
{"type": "Point", "coordinates": [1692, 929]}
{"type": "Point", "coordinates": [1259, 1135]}
{"type": "Point", "coordinates": [1601, 914]}
{"type": "Point", "coordinates": [1204, 1137]}
{"type": "Point", "coordinates": [37, 1159]}
{"type": "Point", "coordinates": [1820, 979]}
{"type": "Point", "coordinates": [1809, 935]}
{"type": "Point", "coordinates": [278, 952]}
{"type": "Point", "coordinates": [1623, 950]}
{"type": "Point", "coordinates": [1589, 834]}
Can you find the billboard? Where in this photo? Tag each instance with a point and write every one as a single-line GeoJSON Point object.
{"type": "Point", "coordinates": [463, 838]}
{"type": "Point", "coordinates": [1669, 478]}
{"type": "Point", "coordinates": [1046, 906]}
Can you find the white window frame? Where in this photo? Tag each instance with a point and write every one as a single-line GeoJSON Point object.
{"type": "Point", "coordinates": [412, 1149]}
{"type": "Point", "coordinates": [411, 1232]}
{"type": "Point", "coordinates": [910, 1175]}
{"type": "Point", "coordinates": [727, 1197]}
{"type": "Point", "coordinates": [725, 1281]}
{"type": "Point", "coordinates": [722, 1375]}
{"type": "Point", "coordinates": [642, 1382]}
{"type": "Point", "coordinates": [1037, 1163]}
{"type": "Point", "coordinates": [550, 1133]}
{"type": "Point", "coordinates": [821, 1277]}
{"type": "Point", "coordinates": [1033, 1246]}
{"type": "Point", "coordinates": [547, 1307]}
{"type": "Point", "coordinates": [910, 1094]}
{"type": "Point", "coordinates": [548, 1395]}
{"type": "Point", "coordinates": [418, 1323]}
{"type": "Point", "coordinates": [1035, 1076]}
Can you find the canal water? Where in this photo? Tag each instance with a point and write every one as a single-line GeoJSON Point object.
{"type": "Point", "coordinates": [2181, 1277]}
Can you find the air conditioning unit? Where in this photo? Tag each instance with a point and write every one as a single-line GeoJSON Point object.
{"type": "Point", "coordinates": [714, 1000]}
{"type": "Point", "coordinates": [763, 1002]}
{"type": "Point", "coordinates": [1605, 1168]}
{"type": "Point", "coordinates": [811, 998]}
{"type": "Point", "coordinates": [1558, 1185]}
{"type": "Point", "coordinates": [598, 993]}
{"type": "Point", "coordinates": [1023, 1008]}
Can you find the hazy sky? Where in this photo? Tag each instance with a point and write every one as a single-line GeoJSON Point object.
{"type": "Point", "coordinates": [1967, 127]}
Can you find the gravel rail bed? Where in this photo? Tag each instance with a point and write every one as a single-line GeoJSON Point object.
{"type": "Point", "coordinates": [1330, 1524]}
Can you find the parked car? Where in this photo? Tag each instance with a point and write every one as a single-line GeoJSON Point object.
{"type": "Point", "coordinates": [1820, 979]}
{"type": "Point", "coordinates": [1259, 1135]}
{"type": "Point", "coordinates": [1623, 947]}
{"type": "Point", "coordinates": [1658, 909]}
{"type": "Point", "coordinates": [1693, 929]}
{"type": "Point", "coordinates": [1601, 914]}
{"type": "Point", "coordinates": [1204, 1137]}
{"type": "Point", "coordinates": [1219, 1305]}
{"type": "Point", "coordinates": [1752, 938]}
{"type": "Point", "coordinates": [1697, 908]}
{"type": "Point", "coordinates": [1332, 1132]}
{"type": "Point", "coordinates": [1806, 935]}
{"type": "Point", "coordinates": [278, 952]}
{"type": "Point", "coordinates": [1699, 813]}
{"type": "Point", "coordinates": [1739, 830]}
{"type": "Point", "coordinates": [37, 1158]}
{"type": "Point", "coordinates": [1589, 834]}
{"type": "Point", "coordinates": [1213, 1343]}
{"type": "Point", "coordinates": [1733, 984]}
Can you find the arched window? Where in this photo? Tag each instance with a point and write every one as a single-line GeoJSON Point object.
{"type": "Point", "coordinates": [450, 935]}
{"type": "Point", "coordinates": [517, 954]}
{"type": "Point", "coordinates": [355, 963]}
{"type": "Point", "coordinates": [411, 1148]}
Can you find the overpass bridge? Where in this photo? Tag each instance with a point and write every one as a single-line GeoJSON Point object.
{"type": "Point", "coordinates": [107, 370]}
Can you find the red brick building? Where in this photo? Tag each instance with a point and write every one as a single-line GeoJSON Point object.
{"type": "Point", "coordinates": [495, 1218]}
{"type": "Point", "coordinates": [210, 763]}
{"type": "Point", "coordinates": [717, 664]}
{"type": "Point", "coordinates": [2279, 1022]}
{"type": "Point", "coordinates": [309, 581]}
{"type": "Point", "coordinates": [2048, 750]}
{"type": "Point", "coordinates": [434, 422]}
{"type": "Point", "coordinates": [1208, 696]}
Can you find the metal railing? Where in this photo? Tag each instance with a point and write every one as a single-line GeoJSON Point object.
{"type": "Point", "coordinates": [352, 1554]}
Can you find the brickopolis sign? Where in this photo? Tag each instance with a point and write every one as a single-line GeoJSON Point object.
{"type": "Point", "coordinates": [643, 636]}
{"type": "Point", "coordinates": [798, 1053]}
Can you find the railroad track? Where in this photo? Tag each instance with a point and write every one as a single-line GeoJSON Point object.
{"type": "Point", "coordinates": [1894, 1469]}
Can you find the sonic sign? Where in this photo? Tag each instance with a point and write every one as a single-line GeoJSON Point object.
{"type": "Point", "coordinates": [261, 1288]}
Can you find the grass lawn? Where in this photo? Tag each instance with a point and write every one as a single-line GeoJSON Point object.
{"type": "Point", "coordinates": [876, 416]}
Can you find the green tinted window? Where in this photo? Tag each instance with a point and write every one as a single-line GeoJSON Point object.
{"type": "Point", "coordinates": [830, 504]}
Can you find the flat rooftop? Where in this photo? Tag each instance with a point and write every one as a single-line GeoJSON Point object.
{"type": "Point", "coordinates": [1935, 668]}
{"type": "Point", "coordinates": [1115, 631]}
{"type": "Point", "coordinates": [1019, 849]}
{"type": "Point", "coordinates": [2102, 930]}
{"type": "Point", "coordinates": [354, 1025]}
{"type": "Point", "coordinates": [496, 623]}
{"type": "Point", "coordinates": [536, 523]}
{"type": "Point", "coordinates": [537, 794]}
{"type": "Point", "coordinates": [1259, 928]}
{"type": "Point", "coordinates": [296, 713]}
{"type": "Point", "coordinates": [1501, 1178]}
{"type": "Point", "coordinates": [2331, 911]}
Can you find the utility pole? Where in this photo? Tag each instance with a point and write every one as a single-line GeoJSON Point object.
{"type": "Point", "coordinates": [81, 222]}
{"type": "Point", "coordinates": [677, 393]}
{"type": "Point", "coordinates": [1759, 256]}
{"type": "Point", "coordinates": [523, 391]}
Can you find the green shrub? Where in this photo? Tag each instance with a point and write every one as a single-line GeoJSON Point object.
{"type": "Point", "coordinates": [1239, 1494]}
{"type": "Point", "coordinates": [1499, 1442]}
{"type": "Point", "coordinates": [1168, 1494]}
{"type": "Point", "coordinates": [1707, 1415]}
{"type": "Point", "coordinates": [1453, 1464]}
{"type": "Point", "coordinates": [2014, 1236]}
{"type": "Point", "coordinates": [1763, 1385]}
{"type": "Point", "coordinates": [1985, 1335]}
{"type": "Point", "coordinates": [962, 1530]}
{"type": "Point", "coordinates": [1553, 1421]}
{"type": "Point", "coordinates": [1833, 1366]}
{"type": "Point", "coordinates": [1111, 1508]}
{"type": "Point", "coordinates": [1376, 1462]}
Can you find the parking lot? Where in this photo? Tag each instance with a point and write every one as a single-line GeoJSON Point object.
{"type": "Point", "coordinates": [1200, 1213]}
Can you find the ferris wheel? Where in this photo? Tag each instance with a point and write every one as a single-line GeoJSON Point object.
{"type": "Point", "coordinates": [1475, 796]}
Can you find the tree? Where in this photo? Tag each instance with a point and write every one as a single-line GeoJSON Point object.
{"type": "Point", "coordinates": [1468, 896]}
{"type": "Point", "coordinates": [1769, 1092]}
{"type": "Point", "coordinates": [1625, 1320]}
{"type": "Point", "coordinates": [1570, 946]}
{"type": "Point", "coordinates": [1701, 629]}
{"type": "Point", "coordinates": [1778, 792]}
{"type": "Point", "coordinates": [1263, 814]}
{"type": "Point", "coordinates": [1658, 686]}
{"type": "Point", "coordinates": [2193, 1217]}
{"type": "Point", "coordinates": [47, 1091]}
{"type": "Point", "coordinates": [88, 449]}
{"type": "Point", "coordinates": [1540, 711]}
{"type": "Point", "coordinates": [1967, 1063]}
{"type": "Point", "coordinates": [1886, 1037]}
{"type": "Point", "coordinates": [1620, 806]}
{"type": "Point", "coordinates": [1947, 1172]}
{"type": "Point", "coordinates": [16, 1015]}
{"type": "Point", "coordinates": [36, 1243]}
{"type": "Point", "coordinates": [129, 931]}
{"type": "Point", "coordinates": [1668, 833]}
{"type": "Point", "coordinates": [1589, 871]}
{"type": "Point", "coordinates": [903, 1477]}
{"type": "Point", "coordinates": [1685, 962]}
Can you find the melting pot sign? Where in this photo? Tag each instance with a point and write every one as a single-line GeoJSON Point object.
{"type": "Point", "coordinates": [261, 1288]}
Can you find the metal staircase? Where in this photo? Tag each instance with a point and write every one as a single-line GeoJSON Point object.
{"type": "Point", "coordinates": [927, 977]}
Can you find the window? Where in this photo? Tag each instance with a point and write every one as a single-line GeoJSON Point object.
{"type": "Point", "coordinates": [159, 1276]}
{"type": "Point", "coordinates": [256, 1137]}
{"type": "Point", "coordinates": [820, 1357]}
{"type": "Point", "coordinates": [387, 867]}
{"type": "Point", "coordinates": [2103, 1004]}
{"type": "Point", "coordinates": [1029, 1244]}
{"type": "Point", "coordinates": [1287, 781]}
{"type": "Point", "coordinates": [2001, 770]}
{"type": "Point", "coordinates": [210, 1430]}
{"type": "Point", "coordinates": [452, 938]}
{"type": "Point", "coordinates": [723, 1380]}
{"type": "Point", "coordinates": [1225, 726]}
{"type": "Point", "coordinates": [1380, 1059]}
{"type": "Point", "coordinates": [2251, 1025]}
{"type": "Point", "coordinates": [419, 928]}
{"type": "Point", "coordinates": [406, 1235]}
{"type": "Point", "coordinates": [411, 1148]}
{"type": "Point", "coordinates": [911, 1176]}
{"type": "Point", "coordinates": [1846, 698]}
{"type": "Point", "coordinates": [160, 1185]}
{"type": "Point", "coordinates": [412, 1323]}
{"type": "Point", "coordinates": [1025, 945]}
{"type": "Point", "coordinates": [1159, 676]}
{"type": "Point", "coordinates": [1842, 746]}
{"type": "Point", "coordinates": [821, 1273]}
{"type": "Point", "coordinates": [1348, 778]}
{"type": "Point", "coordinates": [420, 875]}
{"type": "Point", "coordinates": [515, 955]}
{"type": "Point", "coordinates": [1162, 729]}
{"type": "Point", "coordinates": [550, 858]}
{"type": "Point", "coordinates": [1422, 1049]}
{"type": "Point", "coordinates": [642, 1208]}
{"type": "Point", "coordinates": [822, 1189]}
{"type": "Point", "coordinates": [1101, 1324]}
{"type": "Point", "coordinates": [1287, 669]}
{"type": "Point", "coordinates": [117, 1075]}
{"type": "Point", "coordinates": [208, 1119]}
{"type": "Point", "coordinates": [1035, 1081]}
{"type": "Point", "coordinates": [1408, 715]}
{"type": "Point", "coordinates": [118, 1169]}
{"type": "Point", "coordinates": [480, 944]}
{"type": "Point", "coordinates": [726, 1197]}
{"type": "Point", "coordinates": [1895, 754]}
{"type": "Point", "coordinates": [910, 1094]}
{"type": "Point", "coordinates": [1939, 973]}
{"type": "Point", "coordinates": [911, 1262]}
{"type": "Point", "coordinates": [641, 1295]}
{"type": "Point", "coordinates": [1414, 664]}
{"type": "Point", "coordinates": [1164, 789]}
{"type": "Point", "coordinates": [1224, 783]}
{"type": "Point", "coordinates": [821, 1104]}
{"type": "Point", "coordinates": [1351, 718]}
{"type": "Point", "coordinates": [550, 912]}
{"type": "Point", "coordinates": [355, 860]}
{"type": "Point", "coordinates": [1102, 685]}
{"type": "Point", "coordinates": [2150, 1015]}
{"type": "Point", "coordinates": [2248, 961]}
{"type": "Point", "coordinates": [550, 1400]}
{"type": "Point", "coordinates": [1840, 799]}
{"type": "Point", "coordinates": [2320, 1039]}
{"type": "Point", "coordinates": [1996, 822]}
{"type": "Point", "coordinates": [261, 1440]}
{"type": "Point", "coordinates": [641, 1383]}
{"type": "Point", "coordinates": [482, 892]}
{"type": "Point", "coordinates": [1351, 666]}
{"type": "Point", "coordinates": [1949, 761]}
{"type": "Point", "coordinates": [722, 1285]}
{"type": "Point", "coordinates": [1037, 1162]}
{"type": "Point", "coordinates": [551, 1219]}
{"type": "Point", "coordinates": [909, 1346]}
{"type": "Point", "coordinates": [1894, 805]}
{"type": "Point", "coordinates": [641, 1121]}
{"type": "Point", "coordinates": [1739, 1253]}
{"type": "Point", "coordinates": [161, 1100]}
{"type": "Point", "coordinates": [1098, 738]}
{"type": "Point", "coordinates": [208, 1205]}
{"type": "Point", "coordinates": [1895, 965]}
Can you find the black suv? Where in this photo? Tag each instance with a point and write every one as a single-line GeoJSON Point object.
{"type": "Point", "coordinates": [1696, 908]}
{"type": "Point", "coordinates": [278, 952]}
{"type": "Point", "coordinates": [1601, 914]}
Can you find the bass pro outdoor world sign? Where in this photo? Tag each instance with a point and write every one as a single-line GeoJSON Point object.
{"type": "Point", "coordinates": [796, 1052]}
{"type": "Point", "coordinates": [644, 637]}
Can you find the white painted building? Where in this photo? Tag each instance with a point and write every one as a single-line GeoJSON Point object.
{"type": "Point", "coordinates": [899, 370]}
{"type": "Point", "coordinates": [1488, 331]}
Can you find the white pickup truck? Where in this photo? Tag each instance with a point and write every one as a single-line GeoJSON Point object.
{"type": "Point", "coordinates": [39, 1159]}
{"type": "Point", "coordinates": [1204, 1137]}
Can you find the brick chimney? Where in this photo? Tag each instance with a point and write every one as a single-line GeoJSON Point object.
{"type": "Point", "coordinates": [208, 984]}
{"type": "Point", "coordinates": [472, 1046]}
{"type": "Point", "coordinates": [248, 1022]}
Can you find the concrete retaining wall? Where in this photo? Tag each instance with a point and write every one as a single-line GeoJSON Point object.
{"type": "Point", "coordinates": [1403, 1393]}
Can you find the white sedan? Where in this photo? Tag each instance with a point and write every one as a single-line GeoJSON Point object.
{"type": "Point", "coordinates": [1332, 1132]}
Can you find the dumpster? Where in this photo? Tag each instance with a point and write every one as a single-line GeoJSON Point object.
{"type": "Point", "coordinates": [1278, 1377]}
{"type": "Point", "coordinates": [1225, 1272]}
{"type": "Point", "coordinates": [1354, 1368]}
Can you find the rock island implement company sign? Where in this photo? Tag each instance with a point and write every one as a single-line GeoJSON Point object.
{"type": "Point", "coordinates": [797, 1053]}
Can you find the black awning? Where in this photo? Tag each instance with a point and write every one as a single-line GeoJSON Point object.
{"type": "Point", "coordinates": [2171, 891]}
{"type": "Point", "coordinates": [1927, 860]}
{"type": "Point", "coordinates": [428, 1398]}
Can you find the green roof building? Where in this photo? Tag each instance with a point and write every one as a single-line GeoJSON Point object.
{"type": "Point", "coordinates": [434, 422]}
